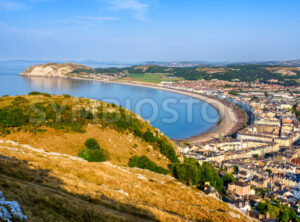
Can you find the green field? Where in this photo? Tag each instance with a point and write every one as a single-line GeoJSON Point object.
{"type": "Point", "coordinates": [151, 78]}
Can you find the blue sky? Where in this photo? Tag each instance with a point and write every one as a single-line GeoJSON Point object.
{"type": "Point", "coordinates": [143, 30]}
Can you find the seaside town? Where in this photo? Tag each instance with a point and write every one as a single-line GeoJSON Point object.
{"type": "Point", "coordinates": [262, 157]}
{"type": "Point", "coordinates": [140, 110]}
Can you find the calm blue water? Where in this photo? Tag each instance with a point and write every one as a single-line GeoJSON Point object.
{"type": "Point", "coordinates": [167, 111]}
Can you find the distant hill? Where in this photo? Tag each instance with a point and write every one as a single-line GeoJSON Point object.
{"type": "Point", "coordinates": [279, 63]}
{"type": "Point", "coordinates": [53, 69]}
{"type": "Point", "coordinates": [188, 64]}
{"type": "Point", "coordinates": [285, 75]}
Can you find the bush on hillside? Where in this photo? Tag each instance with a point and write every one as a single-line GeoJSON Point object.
{"type": "Point", "coordinates": [164, 146]}
{"type": "Point", "coordinates": [192, 173]}
{"type": "Point", "coordinates": [168, 150]}
{"type": "Point", "coordinates": [149, 137]}
{"type": "Point", "coordinates": [92, 144]}
{"type": "Point", "coordinates": [12, 117]}
{"type": "Point", "coordinates": [35, 93]}
{"type": "Point", "coordinates": [188, 172]}
{"type": "Point", "coordinates": [92, 155]}
{"type": "Point", "coordinates": [86, 114]}
{"type": "Point", "coordinates": [92, 152]}
{"type": "Point", "coordinates": [144, 162]}
{"type": "Point", "coordinates": [19, 101]}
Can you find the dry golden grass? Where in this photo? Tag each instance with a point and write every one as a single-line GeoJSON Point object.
{"type": "Point", "coordinates": [50, 188]}
{"type": "Point", "coordinates": [285, 71]}
{"type": "Point", "coordinates": [54, 187]}
{"type": "Point", "coordinates": [214, 70]}
{"type": "Point", "coordinates": [120, 146]}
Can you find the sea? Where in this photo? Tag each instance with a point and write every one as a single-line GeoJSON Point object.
{"type": "Point", "coordinates": [177, 116]}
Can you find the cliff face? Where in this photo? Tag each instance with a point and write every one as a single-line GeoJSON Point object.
{"type": "Point", "coordinates": [54, 70]}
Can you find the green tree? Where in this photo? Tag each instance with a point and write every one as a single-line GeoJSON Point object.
{"type": "Point", "coordinates": [255, 156]}
{"type": "Point", "coordinates": [191, 173]}
{"type": "Point", "coordinates": [228, 178]}
{"type": "Point", "coordinates": [209, 174]}
{"type": "Point", "coordinates": [293, 215]}
{"type": "Point", "coordinates": [262, 208]}
{"type": "Point", "coordinates": [144, 162]}
{"type": "Point", "coordinates": [284, 215]}
{"type": "Point", "coordinates": [188, 172]}
{"type": "Point", "coordinates": [235, 168]}
{"type": "Point", "coordinates": [269, 171]}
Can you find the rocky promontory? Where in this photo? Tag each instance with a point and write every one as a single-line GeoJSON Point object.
{"type": "Point", "coordinates": [53, 70]}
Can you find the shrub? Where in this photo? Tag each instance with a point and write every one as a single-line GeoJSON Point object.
{"type": "Point", "coordinates": [19, 100]}
{"type": "Point", "coordinates": [168, 150]}
{"type": "Point", "coordinates": [144, 162]}
{"type": "Point", "coordinates": [12, 117]}
{"type": "Point", "coordinates": [138, 133]}
{"type": "Point", "coordinates": [91, 144]}
{"type": "Point", "coordinates": [164, 146]}
{"type": "Point", "coordinates": [96, 155]}
{"type": "Point", "coordinates": [92, 152]}
{"type": "Point", "coordinates": [86, 114]}
{"type": "Point", "coordinates": [34, 93]}
{"type": "Point", "coordinates": [149, 137]}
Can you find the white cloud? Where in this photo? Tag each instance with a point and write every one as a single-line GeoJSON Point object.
{"type": "Point", "coordinates": [12, 5]}
{"type": "Point", "coordinates": [137, 8]}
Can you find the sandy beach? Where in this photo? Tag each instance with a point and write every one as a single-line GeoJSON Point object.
{"type": "Point", "coordinates": [231, 120]}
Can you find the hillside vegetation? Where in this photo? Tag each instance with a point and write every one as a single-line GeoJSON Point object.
{"type": "Point", "coordinates": [71, 121]}
{"type": "Point", "coordinates": [52, 150]}
{"type": "Point", "coordinates": [288, 76]}
{"type": "Point", "coordinates": [284, 75]}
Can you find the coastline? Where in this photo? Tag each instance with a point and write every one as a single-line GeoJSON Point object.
{"type": "Point", "coordinates": [230, 121]}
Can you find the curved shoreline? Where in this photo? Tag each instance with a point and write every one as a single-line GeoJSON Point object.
{"type": "Point", "coordinates": [229, 121]}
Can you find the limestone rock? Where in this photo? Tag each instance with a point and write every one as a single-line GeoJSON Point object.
{"type": "Point", "coordinates": [10, 210]}
{"type": "Point", "coordinates": [53, 70]}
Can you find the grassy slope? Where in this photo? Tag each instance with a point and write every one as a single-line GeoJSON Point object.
{"type": "Point", "coordinates": [149, 78]}
{"type": "Point", "coordinates": [57, 188]}
{"type": "Point", "coordinates": [120, 145]}
{"type": "Point", "coordinates": [52, 188]}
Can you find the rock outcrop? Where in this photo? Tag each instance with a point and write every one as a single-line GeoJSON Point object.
{"type": "Point", "coordinates": [10, 210]}
{"type": "Point", "coordinates": [52, 70]}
